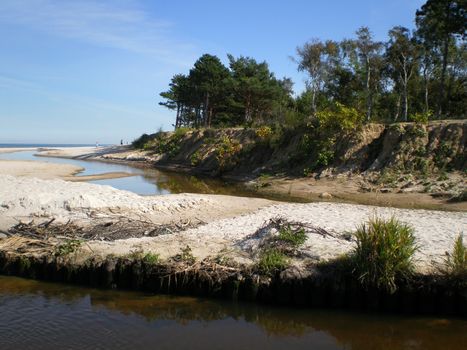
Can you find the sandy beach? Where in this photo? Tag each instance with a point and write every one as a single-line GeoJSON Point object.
{"type": "Point", "coordinates": [49, 170]}
{"type": "Point", "coordinates": [224, 224]}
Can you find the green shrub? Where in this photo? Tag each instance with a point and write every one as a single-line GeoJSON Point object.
{"type": "Point", "coordinates": [151, 258]}
{"type": "Point", "coordinates": [68, 247]}
{"type": "Point", "coordinates": [180, 132]}
{"type": "Point", "coordinates": [294, 238]}
{"type": "Point", "coordinates": [340, 117]}
{"type": "Point", "coordinates": [227, 151]}
{"type": "Point", "coordinates": [187, 255]}
{"type": "Point", "coordinates": [271, 261]}
{"type": "Point", "coordinates": [141, 141]}
{"type": "Point", "coordinates": [456, 261]}
{"type": "Point", "coordinates": [384, 253]}
{"type": "Point", "coordinates": [263, 132]}
{"type": "Point", "coordinates": [195, 158]}
{"type": "Point", "coordinates": [421, 117]}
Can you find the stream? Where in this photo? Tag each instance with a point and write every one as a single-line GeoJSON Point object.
{"type": "Point", "coordinates": [144, 181]}
{"type": "Point", "coordinates": [39, 315]}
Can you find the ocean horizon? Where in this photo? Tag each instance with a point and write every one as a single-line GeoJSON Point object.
{"type": "Point", "coordinates": [34, 145]}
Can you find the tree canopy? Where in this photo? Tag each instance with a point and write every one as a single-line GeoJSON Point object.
{"type": "Point", "coordinates": [411, 74]}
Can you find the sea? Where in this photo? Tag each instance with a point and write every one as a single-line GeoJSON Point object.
{"type": "Point", "coordinates": [35, 145]}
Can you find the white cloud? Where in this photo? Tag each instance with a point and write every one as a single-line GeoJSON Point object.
{"type": "Point", "coordinates": [116, 24]}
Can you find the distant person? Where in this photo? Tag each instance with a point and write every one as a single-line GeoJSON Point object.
{"type": "Point", "coordinates": [97, 144]}
{"type": "Point", "coordinates": [121, 142]}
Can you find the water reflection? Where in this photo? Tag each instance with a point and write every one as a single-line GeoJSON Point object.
{"type": "Point", "coordinates": [37, 315]}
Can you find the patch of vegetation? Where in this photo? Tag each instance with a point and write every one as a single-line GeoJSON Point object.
{"type": "Point", "coordinates": [186, 255]}
{"type": "Point", "coordinates": [226, 152]}
{"type": "Point", "coordinates": [293, 237]}
{"type": "Point", "coordinates": [68, 247]}
{"type": "Point", "coordinates": [264, 132]}
{"type": "Point", "coordinates": [195, 158]}
{"type": "Point", "coordinates": [388, 178]}
{"type": "Point", "coordinates": [384, 253]}
{"type": "Point", "coordinates": [340, 117]}
{"type": "Point", "coordinates": [141, 141]}
{"type": "Point", "coordinates": [421, 117]}
{"type": "Point", "coordinates": [272, 261]}
{"type": "Point", "coordinates": [307, 171]}
{"type": "Point", "coordinates": [151, 258]}
{"type": "Point", "coordinates": [456, 261]}
{"type": "Point", "coordinates": [461, 197]}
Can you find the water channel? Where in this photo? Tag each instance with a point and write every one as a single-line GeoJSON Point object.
{"type": "Point", "coordinates": [145, 181]}
{"type": "Point", "coordinates": [38, 315]}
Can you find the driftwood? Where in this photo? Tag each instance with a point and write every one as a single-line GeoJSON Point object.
{"type": "Point", "coordinates": [105, 230]}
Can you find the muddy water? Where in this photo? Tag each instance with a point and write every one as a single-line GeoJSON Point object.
{"type": "Point", "coordinates": [37, 315]}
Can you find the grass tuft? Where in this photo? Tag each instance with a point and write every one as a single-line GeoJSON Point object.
{"type": "Point", "coordinates": [151, 258]}
{"type": "Point", "coordinates": [293, 237]}
{"type": "Point", "coordinates": [384, 253]}
{"type": "Point", "coordinates": [456, 261]}
{"type": "Point", "coordinates": [271, 261]}
{"type": "Point", "coordinates": [68, 247]}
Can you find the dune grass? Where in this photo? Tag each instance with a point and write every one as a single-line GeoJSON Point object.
{"type": "Point", "coordinates": [384, 253]}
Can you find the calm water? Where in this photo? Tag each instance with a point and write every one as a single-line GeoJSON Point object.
{"type": "Point", "coordinates": [144, 181]}
{"type": "Point", "coordinates": [37, 315]}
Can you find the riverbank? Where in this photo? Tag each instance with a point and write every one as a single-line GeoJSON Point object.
{"type": "Point", "coordinates": [348, 188]}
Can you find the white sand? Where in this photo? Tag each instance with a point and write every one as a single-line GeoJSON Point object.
{"type": "Point", "coordinates": [36, 169]}
{"type": "Point", "coordinates": [229, 220]}
{"type": "Point", "coordinates": [11, 150]}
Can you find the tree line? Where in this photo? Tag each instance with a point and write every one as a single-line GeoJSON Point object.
{"type": "Point", "coordinates": [414, 75]}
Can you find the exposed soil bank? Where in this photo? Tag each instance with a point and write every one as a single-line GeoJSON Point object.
{"type": "Point", "coordinates": [401, 165]}
{"type": "Point", "coordinates": [320, 288]}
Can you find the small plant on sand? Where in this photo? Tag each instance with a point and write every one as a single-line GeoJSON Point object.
{"type": "Point", "coordinates": [151, 258]}
{"type": "Point", "coordinates": [68, 247]}
{"type": "Point", "coordinates": [456, 261]}
{"type": "Point", "coordinates": [293, 237]}
{"type": "Point", "coordinates": [271, 261]}
{"type": "Point", "coordinates": [384, 253]}
{"type": "Point", "coordinates": [186, 255]}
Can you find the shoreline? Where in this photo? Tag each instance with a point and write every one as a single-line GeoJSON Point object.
{"type": "Point", "coordinates": [48, 170]}
{"type": "Point", "coordinates": [339, 190]}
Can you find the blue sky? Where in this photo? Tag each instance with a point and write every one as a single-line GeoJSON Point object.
{"type": "Point", "coordinates": [86, 71]}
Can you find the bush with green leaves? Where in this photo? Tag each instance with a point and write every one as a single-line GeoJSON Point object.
{"type": "Point", "coordinates": [384, 253]}
{"type": "Point", "coordinates": [340, 117]}
{"type": "Point", "coordinates": [421, 117]}
{"type": "Point", "coordinates": [141, 141]}
{"type": "Point", "coordinates": [227, 151]}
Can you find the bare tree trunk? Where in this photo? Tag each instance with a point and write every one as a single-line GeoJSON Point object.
{"type": "Point", "coordinates": [313, 102]}
{"type": "Point", "coordinates": [406, 99]}
{"type": "Point", "coordinates": [369, 97]}
{"type": "Point", "coordinates": [406, 104]}
{"type": "Point", "coordinates": [442, 87]}
{"type": "Point", "coordinates": [398, 107]}
{"type": "Point", "coordinates": [248, 111]}
{"type": "Point", "coordinates": [425, 79]}
{"type": "Point", "coordinates": [206, 110]}
{"type": "Point", "coordinates": [177, 118]}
